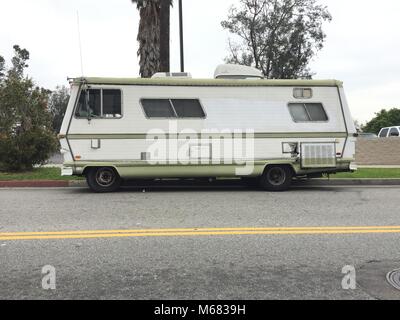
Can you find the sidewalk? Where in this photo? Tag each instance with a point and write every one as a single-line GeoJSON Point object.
{"type": "Point", "coordinates": [348, 182]}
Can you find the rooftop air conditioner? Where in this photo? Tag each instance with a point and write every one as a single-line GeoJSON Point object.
{"type": "Point", "coordinates": [235, 71]}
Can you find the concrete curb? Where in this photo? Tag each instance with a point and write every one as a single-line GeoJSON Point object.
{"type": "Point", "coordinates": [77, 184]}
{"type": "Point", "coordinates": [348, 182]}
{"type": "Point", "coordinates": [34, 184]}
{"type": "Point", "coordinates": [300, 183]}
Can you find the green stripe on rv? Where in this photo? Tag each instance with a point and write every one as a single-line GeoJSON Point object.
{"type": "Point", "coordinates": [142, 169]}
{"type": "Point", "coordinates": [209, 82]}
{"type": "Point", "coordinates": [141, 163]}
{"type": "Point", "coordinates": [297, 135]}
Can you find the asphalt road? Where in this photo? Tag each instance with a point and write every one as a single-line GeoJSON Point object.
{"type": "Point", "coordinates": [217, 248]}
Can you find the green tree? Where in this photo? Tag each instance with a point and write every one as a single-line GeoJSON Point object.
{"type": "Point", "coordinates": [26, 138]}
{"type": "Point", "coordinates": [279, 37]}
{"type": "Point", "coordinates": [57, 106]}
{"type": "Point", "coordinates": [153, 36]}
{"type": "Point", "coordinates": [384, 118]}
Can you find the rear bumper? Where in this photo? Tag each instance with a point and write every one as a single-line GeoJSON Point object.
{"type": "Point", "coordinates": [341, 166]}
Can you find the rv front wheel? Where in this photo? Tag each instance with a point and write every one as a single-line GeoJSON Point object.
{"type": "Point", "coordinates": [103, 180]}
{"type": "Point", "coordinates": [276, 178]}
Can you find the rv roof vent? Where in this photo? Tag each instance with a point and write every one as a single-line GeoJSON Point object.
{"type": "Point", "coordinates": [235, 71]}
{"type": "Point", "coordinates": [169, 75]}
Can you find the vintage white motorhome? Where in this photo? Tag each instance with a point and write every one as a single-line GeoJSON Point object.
{"type": "Point", "coordinates": [236, 125]}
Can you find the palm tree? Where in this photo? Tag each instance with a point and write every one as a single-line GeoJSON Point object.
{"type": "Point", "coordinates": [153, 36]}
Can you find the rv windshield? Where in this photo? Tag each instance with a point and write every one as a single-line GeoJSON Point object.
{"type": "Point", "coordinates": [89, 104]}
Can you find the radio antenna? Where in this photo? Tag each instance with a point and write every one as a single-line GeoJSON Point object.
{"type": "Point", "coordinates": [80, 41]}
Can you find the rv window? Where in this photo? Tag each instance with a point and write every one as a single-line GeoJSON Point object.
{"type": "Point", "coordinates": [112, 104]}
{"type": "Point", "coordinates": [176, 108]}
{"type": "Point", "coordinates": [316, 112]}
{"type": "Point", "coordinates": [94, 105]}
{"type": "Point", "coordinates": [303, 93]}
{"type": "Point", "coordinates": [80, 109]}
{"type": "Point", "coordinates": [307, 112]}
{"type": "Point", "coordinates": [102, 104]}
{"type": "Point", "coordinates": [158, 108]}
{"type": "Point", "coordinates": [188, 108]}
{"type": "Point", "coordinates": [299, 112]}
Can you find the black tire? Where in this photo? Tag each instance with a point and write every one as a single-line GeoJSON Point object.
{"type": "Point", "coordinates": [102, 180]}
{"type": "Point", "coordinates": [276, 178]}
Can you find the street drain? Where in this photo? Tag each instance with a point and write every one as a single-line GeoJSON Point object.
{"type": "Point", "coordinates": [394, 278]}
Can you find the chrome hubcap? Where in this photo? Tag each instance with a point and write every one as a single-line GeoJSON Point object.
{"type": "Point", "coordinates": [105, 177]}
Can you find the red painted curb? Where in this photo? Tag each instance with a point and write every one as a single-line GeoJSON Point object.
{"type": "Point", "coordinates": [34, 184]}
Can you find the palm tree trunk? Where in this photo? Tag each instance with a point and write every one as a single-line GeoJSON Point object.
{"type": "Point", "coordinates": [154, 36]}
{"type": "Point", "coordinates": [149, 39]}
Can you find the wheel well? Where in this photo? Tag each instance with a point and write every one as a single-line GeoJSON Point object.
{"type": "Point", "coordinates": [289, 166]}
{"type": "Point", "coordinates": [87, 169]}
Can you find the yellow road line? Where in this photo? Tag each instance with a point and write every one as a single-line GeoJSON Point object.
{"type": "Point", "coordinates": [195, 230]}
{"type": "Point", "coordinates": [97, 234]}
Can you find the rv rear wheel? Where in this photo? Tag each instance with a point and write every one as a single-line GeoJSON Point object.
{"type": "Point", "coordinates": [103, 180]}
{"type": "Point", "coordinates": [276, 178]}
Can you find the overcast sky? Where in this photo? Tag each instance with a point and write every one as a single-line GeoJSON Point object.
{"type": "Point", "coordinates": [362, 47]}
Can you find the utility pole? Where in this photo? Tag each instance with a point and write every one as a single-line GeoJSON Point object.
{"type": "Point", "coordinates": [164, 35]}
{"type": "Point", "coordinates": [181, 36]}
